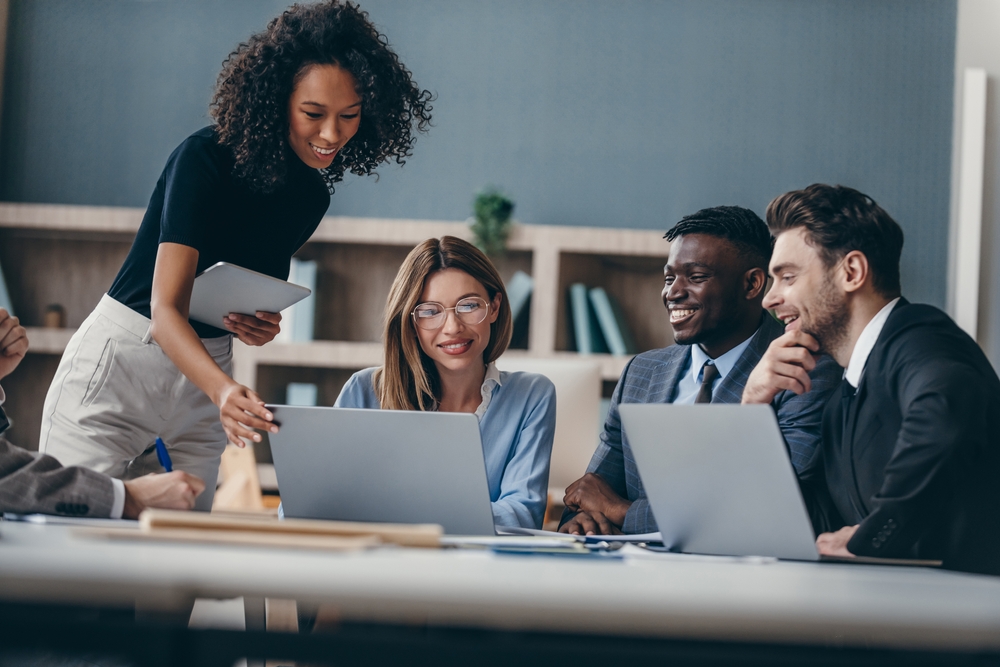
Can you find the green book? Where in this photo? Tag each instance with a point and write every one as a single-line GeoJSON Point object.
{"type": "Point", "coordinates": [612, 322]}
{"type": "Point", "coordinates": [585, 328]}
{"type": "Point", "coordinates": [519, 289]}
{"type": "Point", "coordinates": [5, 301]}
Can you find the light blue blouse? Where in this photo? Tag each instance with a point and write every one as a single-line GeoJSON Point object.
{"type": "Point", "coordinates": [517, 430]}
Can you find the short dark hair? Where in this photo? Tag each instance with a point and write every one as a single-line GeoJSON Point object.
{"type": "Point", "coordinates": [839, 220]}
{"type": "Point", "coordinates": [740, 226]}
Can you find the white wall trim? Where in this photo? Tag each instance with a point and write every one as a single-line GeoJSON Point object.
{"type": "Point", "coordinates": [969, 214]}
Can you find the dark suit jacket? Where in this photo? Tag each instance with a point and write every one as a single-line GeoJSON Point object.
{"type": "Point", "coordinates": [913, 456]}
{"type": "Point", "coordinates": [652, 377]}
{"type": "Point", "coordinates": [31, 483]}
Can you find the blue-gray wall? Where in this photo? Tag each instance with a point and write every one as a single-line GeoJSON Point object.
{"type": "Point", "coordinates": [587, 112]}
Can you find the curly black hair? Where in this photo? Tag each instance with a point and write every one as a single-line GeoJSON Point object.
{"type": "Point", "coordinates": [250, 105]}
{"type": "Point", "coordinates": [740, 226]}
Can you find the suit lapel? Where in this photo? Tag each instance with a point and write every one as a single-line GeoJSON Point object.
{"type": "Point", "coordinates": [664, 391]}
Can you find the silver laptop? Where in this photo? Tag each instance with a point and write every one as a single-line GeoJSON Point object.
{"type": "Point", "coordinates": [719, 480]}
{"type": "Point", "coordinates": [382, 465]}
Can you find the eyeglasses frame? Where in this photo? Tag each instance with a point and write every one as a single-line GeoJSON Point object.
{"type": "Point", "coordinates": [413, 313]}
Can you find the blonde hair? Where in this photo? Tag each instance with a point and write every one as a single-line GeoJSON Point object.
{"type": "Point", "coordinates": [408, 379]}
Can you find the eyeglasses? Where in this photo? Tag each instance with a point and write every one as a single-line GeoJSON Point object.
{"type": "Point", "coordinates": [431, 315]}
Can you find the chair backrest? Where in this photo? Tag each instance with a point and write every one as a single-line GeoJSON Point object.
{"type": "Point", "coordinates": [578, 405]}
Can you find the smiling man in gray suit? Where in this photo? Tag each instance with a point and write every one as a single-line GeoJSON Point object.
{"type": "Point", "coordinates": [714, 283]}
{"type": "Point", "coordinates": [32, 483]}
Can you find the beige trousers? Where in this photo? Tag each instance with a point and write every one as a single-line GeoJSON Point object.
{"type": "Point", "coordinates": [116, 390]}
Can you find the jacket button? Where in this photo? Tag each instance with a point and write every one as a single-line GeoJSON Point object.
{"type": "Point", "coordinates": [876, 543]}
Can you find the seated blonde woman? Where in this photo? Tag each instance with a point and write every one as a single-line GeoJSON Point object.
{"type": "Point", "coordinates": [447, 320]}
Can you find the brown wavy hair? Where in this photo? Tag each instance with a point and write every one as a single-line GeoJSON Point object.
{"type": "Point", "coordinates": [250, 105]}
{"type": "Point", "coordinates": [408, 378]}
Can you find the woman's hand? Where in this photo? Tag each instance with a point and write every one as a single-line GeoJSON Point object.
{"type": "Point", "coordinates": [13, 343]}
{"type": "Point", "coordinates": [241, 410]}
{"type": "Point", "coordinates": [254, 330]}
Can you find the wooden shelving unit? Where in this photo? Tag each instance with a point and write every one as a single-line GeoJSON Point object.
{"type": "Point", "coordinates": [70, 255]}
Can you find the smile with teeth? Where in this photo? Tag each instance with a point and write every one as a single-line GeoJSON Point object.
{"type": "Point", "coordinates": [456, 347]}
{"type": "Point", "coordinates": [788, 319]}
{"type": "Point", "coordinates": [323, 151]}
{"type": "Point", "coordinates": [678, 314]}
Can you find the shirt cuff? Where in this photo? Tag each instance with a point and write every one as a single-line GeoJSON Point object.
{"type": "Point", "coordinates": [119, 505]}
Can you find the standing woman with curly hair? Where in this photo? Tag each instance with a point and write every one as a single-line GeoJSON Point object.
{"type": "Point", "coordinates": [318, 93]}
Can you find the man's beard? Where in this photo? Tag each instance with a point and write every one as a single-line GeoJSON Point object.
{"type": "Point", "coordinates": [831, 318]}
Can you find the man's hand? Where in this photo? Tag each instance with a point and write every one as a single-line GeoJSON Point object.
{"type": "Point", "coordinates": [242, 410]}
{"type": "Point", "coordinates": [786, 365]}
{"type": "Point", "coordinates": [589, 523]}
{"type": "Point", "coordinates": [172, 490]}
{"type": "Point", "coordinates": [835, 544]}
{"type": "Point", "coordinates": [13, 343]}
{"type": "Point", "coordinates": [254, 330]}
{"type": "Point", "coordinates": [593, 495]}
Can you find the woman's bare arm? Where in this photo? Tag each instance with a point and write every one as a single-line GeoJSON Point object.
{"type": "Point", "coordinates": [241, 409]}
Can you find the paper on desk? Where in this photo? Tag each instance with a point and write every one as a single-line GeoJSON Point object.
{"type": "Point", "coordinates": [641, 537]}
{"type": "Point", "coordinates": [53, 519]}
{"type": "Point", "coordinates": [632, 551]}
{"type": "Point", "coordinates": [513, 541]}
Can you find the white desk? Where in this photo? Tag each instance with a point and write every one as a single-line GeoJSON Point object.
{"type": "Point", "coordinates": [666, 597]}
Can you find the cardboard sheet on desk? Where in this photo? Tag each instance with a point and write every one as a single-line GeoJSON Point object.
{"type": "Point", "coordinates": [237, 538]}
{"type": "Point", "coordinates": [411, 535]}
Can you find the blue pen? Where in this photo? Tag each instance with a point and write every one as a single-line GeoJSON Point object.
{"type": "Point", "coordinates": [164, 456]}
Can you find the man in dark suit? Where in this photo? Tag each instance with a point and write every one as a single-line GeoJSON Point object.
{"type": "Point", "coordinates": [713, 287]}
{"type": "Point", "coordinates": [909, 463]}
{"type": "Point", "coordinates": [31, 483]}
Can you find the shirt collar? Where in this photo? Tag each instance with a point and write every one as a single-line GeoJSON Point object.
{"type": "Point", "coordinates": [3, 396]}
{"type": "Point", "coordinates": [724, 363]}
{"type": "Point", "coordinates": [866, 342]}
{"type": "Point", "coordinates": [490, 382]}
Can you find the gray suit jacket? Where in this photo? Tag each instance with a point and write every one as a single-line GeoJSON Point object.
{"type": "Point", "coordinates": [31, 483]}
{"type": "Point", "coordinates": [652, 377]}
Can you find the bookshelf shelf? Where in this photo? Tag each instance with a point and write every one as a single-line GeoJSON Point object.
{"type": "Point", "coordinates": [46, 340]}
{"type": "Point", "coordinates": [71, 254]}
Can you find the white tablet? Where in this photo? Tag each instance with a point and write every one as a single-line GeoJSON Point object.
{"type": "Point", "coordinates": [225, 288]}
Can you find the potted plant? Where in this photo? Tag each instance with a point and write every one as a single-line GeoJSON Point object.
{"type": "Point", "coordinates": [491, 222]}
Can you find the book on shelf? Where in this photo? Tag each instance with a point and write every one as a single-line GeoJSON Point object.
{"type": "Point", "coordinates": [5, 301]}
{"type": "Point", "coordinates": [586, 331]}
{"type": "Point", "coordinates": [301, 393]}
{"type": "Point", "coordinates": [298, 321]}
{"type": "Point", "coordinates": [612, 322]}
{"type": "Point", "coordinates": [519, 289]}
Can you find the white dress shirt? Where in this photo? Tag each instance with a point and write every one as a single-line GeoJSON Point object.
{"type": "Point", "coordinates": [491, 380]}
{"type": "Point", "coordinates": [866, 342]}
{"type": "Point", "coordinates": [690, 382]}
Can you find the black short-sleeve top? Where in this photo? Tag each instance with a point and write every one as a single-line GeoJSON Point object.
{"type": "Point", "coordinates": [198, 203]}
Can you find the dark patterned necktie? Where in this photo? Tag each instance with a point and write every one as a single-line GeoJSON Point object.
{"type": "Point", "coordinates": [709, 373]}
